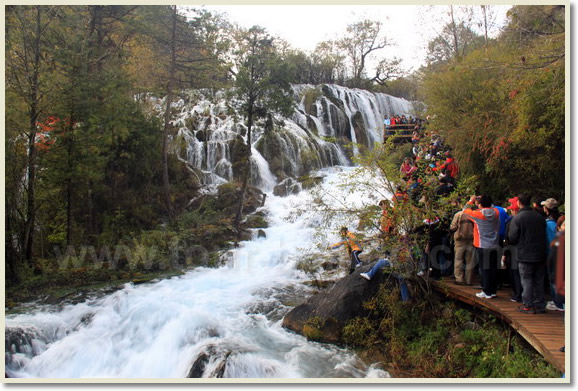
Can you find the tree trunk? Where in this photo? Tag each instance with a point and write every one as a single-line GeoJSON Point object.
{"type": "Point", "coordinates": [455, 33]}
{"type": "Point", "coordinates": [165, 162]}
{"type": "Point", "coordinates": [247, 174]}
{"type": "Point", "coordinates": [69, 184]}
{"type": "Point", "coordinates": [33, 119]}
{"type": "Point", "coordinates": [485, 10]}
{"type": "Point", "coordinates": [11, 253]}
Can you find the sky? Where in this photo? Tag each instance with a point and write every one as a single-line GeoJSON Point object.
{"type": "Point", "coordinates": [409, 27]}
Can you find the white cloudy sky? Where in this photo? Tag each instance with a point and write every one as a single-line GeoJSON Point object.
{"type": "Point", "coordinates": [410, 27]}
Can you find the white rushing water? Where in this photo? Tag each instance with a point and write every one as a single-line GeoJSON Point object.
{"type": "Point", "coordinates": [232, 314]}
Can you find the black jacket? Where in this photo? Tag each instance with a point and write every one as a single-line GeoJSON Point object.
{"type": "Point", "coordinates": [527, 232]}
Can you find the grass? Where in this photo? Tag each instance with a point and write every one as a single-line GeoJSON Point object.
{"type": "Point", "coordinates": [440, 340]}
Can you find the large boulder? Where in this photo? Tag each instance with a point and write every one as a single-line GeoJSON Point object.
{"type": "Point", "coordinates": [323, 316]}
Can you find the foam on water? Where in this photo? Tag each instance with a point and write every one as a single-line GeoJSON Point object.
{"type": "Point", "coordinates": [231, 314]}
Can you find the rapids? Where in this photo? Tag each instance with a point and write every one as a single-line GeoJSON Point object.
{"type": "Point", "coordinates": [209, 322]}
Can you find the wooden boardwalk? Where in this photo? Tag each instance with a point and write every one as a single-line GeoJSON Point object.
{"type": "Point", "coordinates": [545, 332]}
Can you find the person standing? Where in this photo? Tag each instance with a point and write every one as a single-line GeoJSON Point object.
{"type": "Point", "coordinates": [353, 248]}
{"type": "Point", "coordinates": [463, 230]}
{"type": "Point", "coordinates": [509, 257]}
{"type": "Point", "coordinates": [558, 256]}
{"type": "Point", "coordinates": [550, 207]}
{"type": "Point", "coordinates": [387, 122]}
{"type": "Point", "coordinates": [503, 275]}
{"type": "Point", "coordinates": [486, 228]}
{"type": "Point", "coordinates": [527, 232]}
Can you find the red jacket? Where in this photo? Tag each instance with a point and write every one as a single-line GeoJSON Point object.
{"type": "Point", "coordinates": [451, 165]}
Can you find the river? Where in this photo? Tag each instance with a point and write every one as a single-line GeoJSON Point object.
{"type": "Point", "coordinates": [226, 319]}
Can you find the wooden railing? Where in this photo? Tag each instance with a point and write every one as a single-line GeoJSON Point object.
{"type": "Point", "coordinates": [399, 131]}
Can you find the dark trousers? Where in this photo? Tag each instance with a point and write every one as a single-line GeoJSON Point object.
{"type": "Point", "coordinates": [488, 263]}
{"type": "Point", "coordinates": [438, 261]}
{"type": "Point", "coordinates": [515, 279]}
{"type": "Point", "coordinates": [532, 275]}
{"type": "Point", "coordinates": [354, 261]}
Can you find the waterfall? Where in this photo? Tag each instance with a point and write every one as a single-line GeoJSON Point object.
{"type": "Point", "coordinates": [223, 322]}
{"type": "Point", "coordinates": [211, 134]}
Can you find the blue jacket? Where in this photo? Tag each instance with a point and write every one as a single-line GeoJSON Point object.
{"type": "Point", "coordinates": [504, 218]}
{"type": "Point", "coordinates": [550, 233]}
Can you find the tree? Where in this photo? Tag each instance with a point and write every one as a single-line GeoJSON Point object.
{"type": "Point", "coordinates": [328, 64]}
{"type": "Point", "coordinates": [503, 109]}
{"type": "Point", "coordinates": [188, 49]}
{"type": "Point", "coordinates": [169, 100]}
{"type": "Point", "coordinates": [530, 24]}
{"type": "Point", "coordinates": [453, 43]}
{"type": "Point", "coordinates": [387, 69]}
{"type": "Point", "coordinates": [456, 38]}
{"type": "Point", "coordinates": [262, 83]}
{"type": "Point", "coordinates": [361, 40]}
{"type": "Point", "coordinates": [408, 87]}
{"type": "Point", "coordinates": [27, 45]}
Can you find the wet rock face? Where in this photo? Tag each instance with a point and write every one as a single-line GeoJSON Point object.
{"type": "Point", "coordinates": [360, 131]}
{"type": "Point", "coordinates": [209, 364]}
{"type": "Point", "coordinates": [287, 187]}
{"type": "Point", "coordinates": [212, 135]}
{"type": "Point", "coordinates": [20, 343]}
{"type": "Point", "coordinates": [323, 316]}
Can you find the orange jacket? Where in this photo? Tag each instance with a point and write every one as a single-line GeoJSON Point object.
{"type": "Point", "coordinates": [350, 242]}
{"type": "Point", "coordinates": [486, 226]}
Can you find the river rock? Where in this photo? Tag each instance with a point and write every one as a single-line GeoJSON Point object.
{"type": "Point", "coordinates": [203, 361]}
{"type": "Point", "coordinates": [253, 200]}
{"type": "Point", "coordinates": [329, 265]}
{"type": "Point", "coordinates": [323, 316]}
{"type": "Point", "coordinates": [308, 182]}
{"type": "Point", "coordinates": [287, 187]}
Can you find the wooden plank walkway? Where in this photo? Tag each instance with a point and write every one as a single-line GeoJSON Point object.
{"type": "Point", "coordinates": [545, 332]}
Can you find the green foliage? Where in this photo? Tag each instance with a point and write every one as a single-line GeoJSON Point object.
{"type": "Point", "coordinates": [503, 111]}
{"type": "Point", "coordinates": [357, 332]}
{"type": "Point", "coordinates": [442, 341]}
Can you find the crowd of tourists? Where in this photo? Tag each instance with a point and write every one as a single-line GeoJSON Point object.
{"type": "Point", "coordinates": [520, 246]}
{"type": "Point", "coordinates": [393, 120]}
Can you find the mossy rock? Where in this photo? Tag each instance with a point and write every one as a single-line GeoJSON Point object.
{"type": "Point", "coordinates": [239, 152]}
{"type": "Point", "coordinates": [228, 195]}
{"type": "Point", "coordinates": [337, 305]}
{"type": "Point", "coordinates": [312, 333]}
{"type": "Point", "coordinates": [256, 221]}
{"type": "Point", "coordinates": [308, 182]}
{"type": "Point", "coordinates": [310, 96]}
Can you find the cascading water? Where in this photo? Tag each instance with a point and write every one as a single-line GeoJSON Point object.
{"type": "Point", "coordinates": [211, 134]}
{"type": "Point", "coordinates": [223, 322]}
